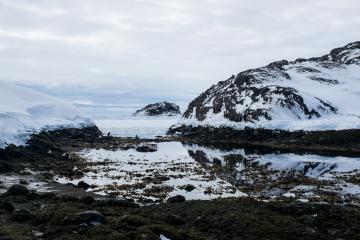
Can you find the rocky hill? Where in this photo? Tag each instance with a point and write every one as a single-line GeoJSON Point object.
{"type": "Point", "coordinates": [157, 109]}
{"type": "Point", "coordinates": [320, 93]}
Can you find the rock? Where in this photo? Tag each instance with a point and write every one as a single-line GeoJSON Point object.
{"type": "Point", "coordinates": [17, 190]}
{"type": "Point", "coordinates": [161, 108]}
{"type": "Point", "coordinates": [90, 218]}
{"type": "Point", "coordinates": [5, 205]}
{"type": "Point", "coordinates": [87, 200]}
{"type": "Point", "coordinates": [23, 182]}
{"type": "Point", "coordinates": [83, 185]}
{"type": "Point", "coordinates": [146, 148]}
{"type": "Point", "coordinates": [22, 215]}
{"type": "Point", "coordinates": [93, 217]}
{"type": "Point", "coordinates": [189, 187]}
{"type": "Point", "coordinates": [176, 199]}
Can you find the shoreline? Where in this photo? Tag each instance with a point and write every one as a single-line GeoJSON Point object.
{"type": "Point", "coordinates": [49, 154]}
{"type": "Point", "coordinates": [329, 142]}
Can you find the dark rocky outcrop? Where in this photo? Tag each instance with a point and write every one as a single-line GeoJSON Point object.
{"type": "Point", "coordinates": [176, 199]}
{"type": "Point", "coordinates": [161, 108]}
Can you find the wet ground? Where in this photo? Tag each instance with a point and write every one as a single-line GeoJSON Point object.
{"type": "Point", "coordinates": [204, 173]}
{"type": "Point", "coordinates": [139, 187]}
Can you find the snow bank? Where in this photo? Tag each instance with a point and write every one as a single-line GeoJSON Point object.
{"type": "Point", "coordinates": [24, 111]}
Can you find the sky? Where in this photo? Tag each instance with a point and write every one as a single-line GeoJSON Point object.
{"type": "Point", "coordinates": [128, 51]}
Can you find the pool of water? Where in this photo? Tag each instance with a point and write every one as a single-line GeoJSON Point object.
{"type": "Point", "coordinates": [136, 126]}
{"type": "Point", "coordinates": [199, 172]}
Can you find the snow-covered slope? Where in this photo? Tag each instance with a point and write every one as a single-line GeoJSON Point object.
{"type": "Point", "coordinates": [309, 94]}
{"type": "Point", "coordinates": [24, 111]}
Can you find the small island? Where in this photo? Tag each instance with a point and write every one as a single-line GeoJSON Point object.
{"type": "Point", "coordinates": [159, 109]}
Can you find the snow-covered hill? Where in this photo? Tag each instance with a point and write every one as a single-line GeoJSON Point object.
{"type": "Point", "coordinates": [24, 111]}
{"type": "Point", "coordinates": [306, 94]}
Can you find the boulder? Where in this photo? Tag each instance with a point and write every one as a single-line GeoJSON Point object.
{"type": "Point", "coordinates": [176, 199]}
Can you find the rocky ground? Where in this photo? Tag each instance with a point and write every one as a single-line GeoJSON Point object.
{"type": "Point", "coordinates": [29, 215]}
{"type": "Point", "coordinates": [344, 142]}
{"type": "Point", "coordinates": [68, 212]}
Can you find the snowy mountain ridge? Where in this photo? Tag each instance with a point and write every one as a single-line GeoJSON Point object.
{"type": "Point", "coordinates": [306, 94]}
{"type": "Point", "coordinates": [24, 111]}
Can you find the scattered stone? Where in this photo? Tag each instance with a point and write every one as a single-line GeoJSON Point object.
{"type": "Point", "coordinates": [83, 185]}
{"type": "Point", "coordinates": [176, 199]}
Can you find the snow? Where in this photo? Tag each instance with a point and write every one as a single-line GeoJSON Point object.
{"type": "Point", "coordinates": [24, 111]}
{"type": "Point", "coordinates": [162, 237]}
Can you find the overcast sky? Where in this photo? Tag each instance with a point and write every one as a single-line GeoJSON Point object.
{"type": "Point", "coordinates": [164, 48]}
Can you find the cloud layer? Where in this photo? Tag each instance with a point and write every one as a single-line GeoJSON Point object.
{"type": "Point", "coordinates": [162, 46]}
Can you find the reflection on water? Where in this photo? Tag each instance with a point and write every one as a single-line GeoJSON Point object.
{"type": "Point", "coordinates": [199, 172]}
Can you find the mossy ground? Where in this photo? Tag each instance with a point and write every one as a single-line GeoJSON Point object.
{"type": "Point", "coordinates": [219, 219]}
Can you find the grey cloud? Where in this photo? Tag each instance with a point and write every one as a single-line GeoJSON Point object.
{"type": "Point", "coordinates": [162, 46]}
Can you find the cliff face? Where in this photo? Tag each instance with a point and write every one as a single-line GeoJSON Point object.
{"type": "Point", "coordinates": [319, 92]}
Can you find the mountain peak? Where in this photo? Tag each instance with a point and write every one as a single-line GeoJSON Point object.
{"type": "Point", "coordinates": [349, 54]}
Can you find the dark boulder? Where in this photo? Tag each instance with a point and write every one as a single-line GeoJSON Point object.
{"type": "Point", "coordinates": [176, 199]}
{"type": "Point", "coordinates": [83, 185]}
{"type": "Point", "coordinates": [189, 187]}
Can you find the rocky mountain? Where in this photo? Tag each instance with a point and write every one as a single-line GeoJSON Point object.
{"type": "Point", "coordinates": [161, 108]}
{"type": "Point", "coordinates": [316, 93]}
